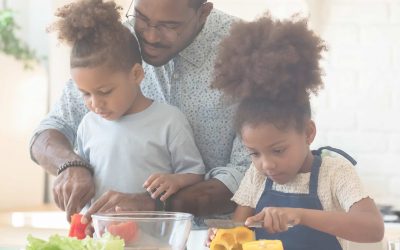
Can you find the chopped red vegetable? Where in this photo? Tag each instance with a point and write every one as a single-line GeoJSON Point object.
{"type": "Point", "coordinates": [128, 231]}
{"type": "Point", "coordinates": [77, 229]}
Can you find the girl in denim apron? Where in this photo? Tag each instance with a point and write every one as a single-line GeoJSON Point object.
{"type": "Point", "coordinates": [308, 199]}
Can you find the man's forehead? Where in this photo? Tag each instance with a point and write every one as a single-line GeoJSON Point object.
{"type": "Point", "coordinates": [164, 10]}
{"type": "Point", "coordinates": [172, 4]}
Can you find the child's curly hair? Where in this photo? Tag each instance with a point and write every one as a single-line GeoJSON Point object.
{"type": "Point", "coordinates": [96, 34]}
{"type": "Point", "coordinates": [271, 67]}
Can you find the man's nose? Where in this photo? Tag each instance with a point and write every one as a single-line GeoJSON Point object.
{"type": "Point", "coordinates": [151, 35]}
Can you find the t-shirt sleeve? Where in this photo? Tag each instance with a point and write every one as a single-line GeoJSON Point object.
{"type": "Point", "coordinates": [249, 188]}
{"type": "Point", "coordinates": [232, 173]}
{"type": "Point", "coordinates": [65, 116]}
{"type": "Point", "coordinates": [346, 184]}
{"type": "Point", "coordinates": [185, 156]}
{"type": "Point", "coordinates": [80, 141]}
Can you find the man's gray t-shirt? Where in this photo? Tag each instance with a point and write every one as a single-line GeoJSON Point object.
{"type": "Point", "coordinates": [125, 152]}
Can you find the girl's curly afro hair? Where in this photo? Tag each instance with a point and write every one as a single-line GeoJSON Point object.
{"type": "Point", "coordinates": [94, 30]}
{"type": "Point", "coordinates": [271, 67]}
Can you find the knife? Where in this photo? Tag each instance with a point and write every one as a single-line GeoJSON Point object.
{"type": "Point", "coordinates": [225, 224]}
{"type": "Point", "coordinates": [220, 223]}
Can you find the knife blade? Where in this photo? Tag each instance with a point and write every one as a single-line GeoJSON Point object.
{"type": "Point", "coordinates": [226, 224]}
{"type": "Point", "coordinates": [221, 223]}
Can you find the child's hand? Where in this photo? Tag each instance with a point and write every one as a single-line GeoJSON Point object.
{"type": "Point", "coordinates": [276, 219]}
{"type": "Point", "coordinates": [210, 236]}
{"type": "Point", "coordinates": [162, 184]}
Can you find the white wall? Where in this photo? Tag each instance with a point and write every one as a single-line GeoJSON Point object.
{"type": "Point", "coordinates": [359, 110]}
{"type": "Point", "coordinates": [22, 104]}
{"type": "Point", "coordinates": [23, 99]}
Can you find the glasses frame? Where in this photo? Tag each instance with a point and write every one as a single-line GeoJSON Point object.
{"type": "Point", "coordinates": [160, 28]}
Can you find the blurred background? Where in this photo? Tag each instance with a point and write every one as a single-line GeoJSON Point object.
{"type": "Point", "coordinates": [358, 111]}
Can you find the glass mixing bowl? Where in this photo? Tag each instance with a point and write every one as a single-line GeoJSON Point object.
{"type": "Point", "coordinates": [146, 230]}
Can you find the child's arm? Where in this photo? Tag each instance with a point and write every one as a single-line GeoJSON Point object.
{"type": "Point", "coordinates": [242, 213]}
{"type": "Point", "coordinates": [186, 162]}
{"type": "Point", "coordinates": [168, 184]}
{"type": "Point", "coordinates": [363, 222]}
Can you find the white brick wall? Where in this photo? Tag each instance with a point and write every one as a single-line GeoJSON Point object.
{"type": "Point", "coordinates": [359, 109]}
{"type": "Point", "coordinates": [395, 12]}
{"type": "Point", "coordinates": [248, 9]}
{"type": "Point", "coordinates": [362, 85]}
{"type": "Point", "coordinates": [358, 11]}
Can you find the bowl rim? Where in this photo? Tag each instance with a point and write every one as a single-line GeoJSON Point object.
{"type": "Point", "coordinates": [144, 216]}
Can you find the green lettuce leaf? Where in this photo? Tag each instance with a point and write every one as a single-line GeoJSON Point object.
{"type": "Point", "coordinates": [57, 242]}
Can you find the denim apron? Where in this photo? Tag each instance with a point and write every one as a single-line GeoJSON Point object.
{"type": "Point", "coordinates": [300, 237]}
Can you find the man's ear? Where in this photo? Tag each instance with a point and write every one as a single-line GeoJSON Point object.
{"type": "Point", "coordinates": [311, 131]}
{"type": "Point", "coordinates": [205, 10]}
{"type": "Point", "coordinates": [137, 73]}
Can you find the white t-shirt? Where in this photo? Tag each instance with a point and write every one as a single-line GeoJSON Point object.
{"type": "Point", "coordinates": [339, 186]}
{"type": "Point", "coordinates": [125, 152]}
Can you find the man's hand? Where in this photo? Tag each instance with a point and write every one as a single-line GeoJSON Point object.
{"type": "Point", "coordinates": [162, 184]}
{"type": "Point", "coordinates": [72, 189]}
{"type": "Point", "coordinates": [112, 201]}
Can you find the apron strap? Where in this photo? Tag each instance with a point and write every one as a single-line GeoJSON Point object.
{"type": "Point", "coordinates": [268, 184]}
{"type": "Point", "coordinates": [339, 151]}
{"type": "Point", "coordinates": [313, 186]}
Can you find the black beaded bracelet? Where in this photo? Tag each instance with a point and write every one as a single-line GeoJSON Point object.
{"type": "Point", "coordinates": [76, 163]}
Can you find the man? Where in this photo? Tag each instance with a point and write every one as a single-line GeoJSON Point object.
{"type": "Point", "coordinates": [178, 39]}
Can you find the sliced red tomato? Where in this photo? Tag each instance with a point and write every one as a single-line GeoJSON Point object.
{"type": "Point", "coordinates": [77, 229]}
{"type": "Point", "coordinates": [128, 231]}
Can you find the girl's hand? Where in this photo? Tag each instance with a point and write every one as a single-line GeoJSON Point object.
{"type": "Point", "coordinates": [210, 236]}
{"type": "Point", "coordinates": [163, 185]}
{"type": "Point", "coordinates": [276, 219]}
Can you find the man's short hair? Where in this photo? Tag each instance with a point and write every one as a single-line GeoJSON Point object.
{"type": "Point", "coordinates": [196, 3]}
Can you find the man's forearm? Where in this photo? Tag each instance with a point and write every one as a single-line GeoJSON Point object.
{"type": "Point", "coordinates": [51, 149]}
{"type": "Point", "coordinates": [202, 199]}
{"type": "Point", "coordinates": [185, 180]}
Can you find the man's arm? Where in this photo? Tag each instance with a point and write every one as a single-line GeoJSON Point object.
{"type": "Point", "coordinates": [52, 146]}
{"type": "Point", "coordinates": [64, 118]}
{"type": "Point", "coordinates": [202, 199]}
{"type": "Point", "coordinates": [213, 196]}
{"type": "Point", "coordinates": [74, 187]}
{"type": "Point", "coordinates": [51, 149]}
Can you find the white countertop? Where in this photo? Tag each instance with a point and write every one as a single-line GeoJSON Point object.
{"type": "Point", "coordinates": [16, 226]}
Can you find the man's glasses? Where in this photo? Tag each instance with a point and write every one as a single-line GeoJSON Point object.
{"type": "Point", "coordinates": [142, 23]}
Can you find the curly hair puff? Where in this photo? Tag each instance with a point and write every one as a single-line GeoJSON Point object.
{"type": "Point", "coordinates": [271, 67]}
{"type": "Point", "coordinates": [96, 34]}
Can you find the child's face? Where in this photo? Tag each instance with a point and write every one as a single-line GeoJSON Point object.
{"type": "Point", "coordinates": [110, 94]}
{"type": "Point", "coordinates": [279, 154]}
